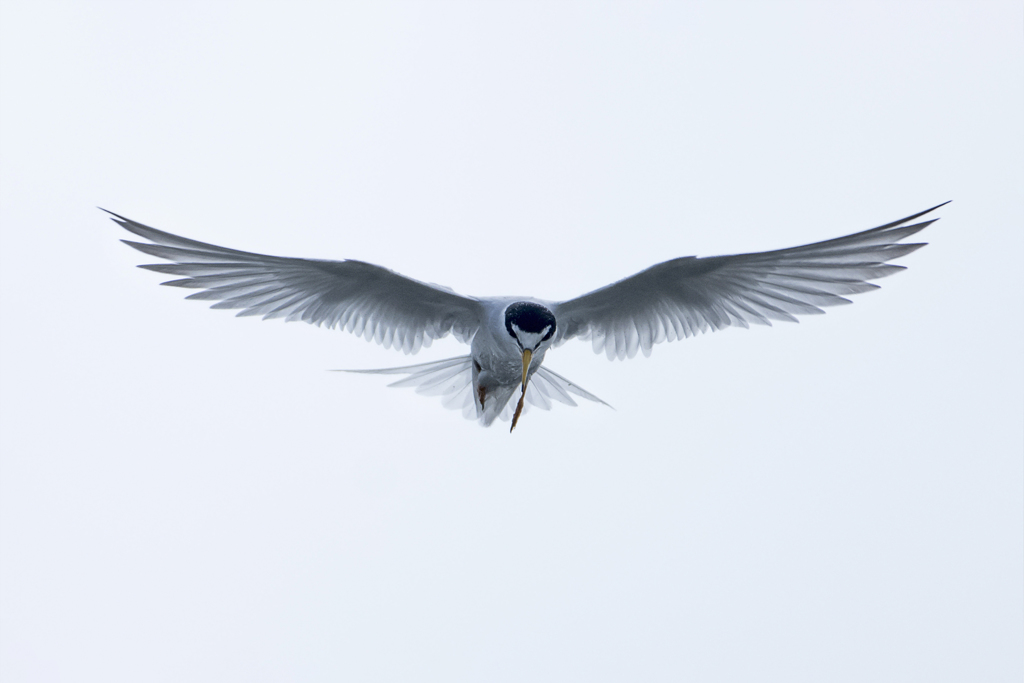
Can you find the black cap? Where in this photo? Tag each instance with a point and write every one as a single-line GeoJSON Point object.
{"type": "Point", "coordinates": [529, 317]}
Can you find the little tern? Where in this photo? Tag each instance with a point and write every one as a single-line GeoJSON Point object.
{"type": "Point", "coordinates": [509, 336]}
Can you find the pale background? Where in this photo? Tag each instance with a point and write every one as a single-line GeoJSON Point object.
{"type": "Point", "coordinates": [191, 497]}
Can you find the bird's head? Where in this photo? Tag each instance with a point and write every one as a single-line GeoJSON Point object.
{"type": "Point", "coordinates": [532, 327]}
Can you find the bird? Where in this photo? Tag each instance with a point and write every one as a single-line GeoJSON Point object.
{"type": "Point", "coordinates": [509, 337]}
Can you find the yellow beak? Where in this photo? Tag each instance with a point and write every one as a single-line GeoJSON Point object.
{"type": "Point", "coordinates": [527, 357]}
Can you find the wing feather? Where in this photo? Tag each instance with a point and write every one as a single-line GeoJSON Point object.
{"type": "Point", "coordinates": [684, 296]}
{"type": "Point", "coordinates": [365, 299]}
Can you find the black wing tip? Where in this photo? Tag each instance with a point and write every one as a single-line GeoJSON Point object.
{"type": "Point", "coordinates": [134, 227]}
{"type": "Point", "coordinates": [903, 221]}
{"type": "Point", "coordinates": [922, 213]}
{"type": "Point", "coordinates": [128, 224]}
{"type": "Point", "coordinates": [117, 218]}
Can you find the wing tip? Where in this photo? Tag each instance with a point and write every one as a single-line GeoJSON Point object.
{"type": "Point", "coordinates": [916, 216]}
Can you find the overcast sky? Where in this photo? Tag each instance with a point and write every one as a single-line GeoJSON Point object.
{"type": "Point", "coordinates": [186, 496]}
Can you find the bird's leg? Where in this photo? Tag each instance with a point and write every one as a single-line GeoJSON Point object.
{"type": "Point", "coordinates": [481, 391]}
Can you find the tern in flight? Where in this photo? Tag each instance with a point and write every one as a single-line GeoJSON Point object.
{"type": "Point", "coordinates": [510, 336]}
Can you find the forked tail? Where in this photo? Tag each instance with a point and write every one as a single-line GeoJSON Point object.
{"type": "Point", "coordinates": [452, 380]}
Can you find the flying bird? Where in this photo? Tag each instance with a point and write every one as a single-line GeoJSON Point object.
{"type": "Point", "coordinates": [510, 336]}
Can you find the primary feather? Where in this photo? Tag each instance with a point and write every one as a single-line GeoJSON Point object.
{"type": "Point", "coordinates": [684, 296]}
{"type": "Point", "coordinates": [365, 299]}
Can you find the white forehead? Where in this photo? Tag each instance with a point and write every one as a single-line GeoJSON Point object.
{"type": "Point", "coordinates": [530, 340]}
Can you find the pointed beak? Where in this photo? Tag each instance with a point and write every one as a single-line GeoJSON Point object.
{"type": "Point", "coordinates": [527, 357]}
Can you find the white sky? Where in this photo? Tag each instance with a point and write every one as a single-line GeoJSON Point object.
{"type": "Point", "coordinates": [191, 497]}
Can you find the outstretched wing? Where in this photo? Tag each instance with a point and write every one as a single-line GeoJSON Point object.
{"type": "Point", "coordinates": [365, 299]}
{"type": "Point", "coordinates": [684, 296]}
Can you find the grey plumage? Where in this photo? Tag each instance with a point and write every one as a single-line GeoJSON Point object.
{"type": "Point", "coordinates": [685, 296]}
{"type": "Point", "coordinates": [669, 301]}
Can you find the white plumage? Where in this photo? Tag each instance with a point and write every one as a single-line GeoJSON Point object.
{"type": "Point", "coordinates": [509, 337]}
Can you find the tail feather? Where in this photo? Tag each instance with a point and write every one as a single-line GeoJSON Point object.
{"type": "Point", "coordinates": [452, 380]}
{"type": "Point", "coordinates": [560, 388]}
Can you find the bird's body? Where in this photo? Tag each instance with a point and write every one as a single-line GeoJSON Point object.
{"type": "Point", "coordinates": [510, 336]}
